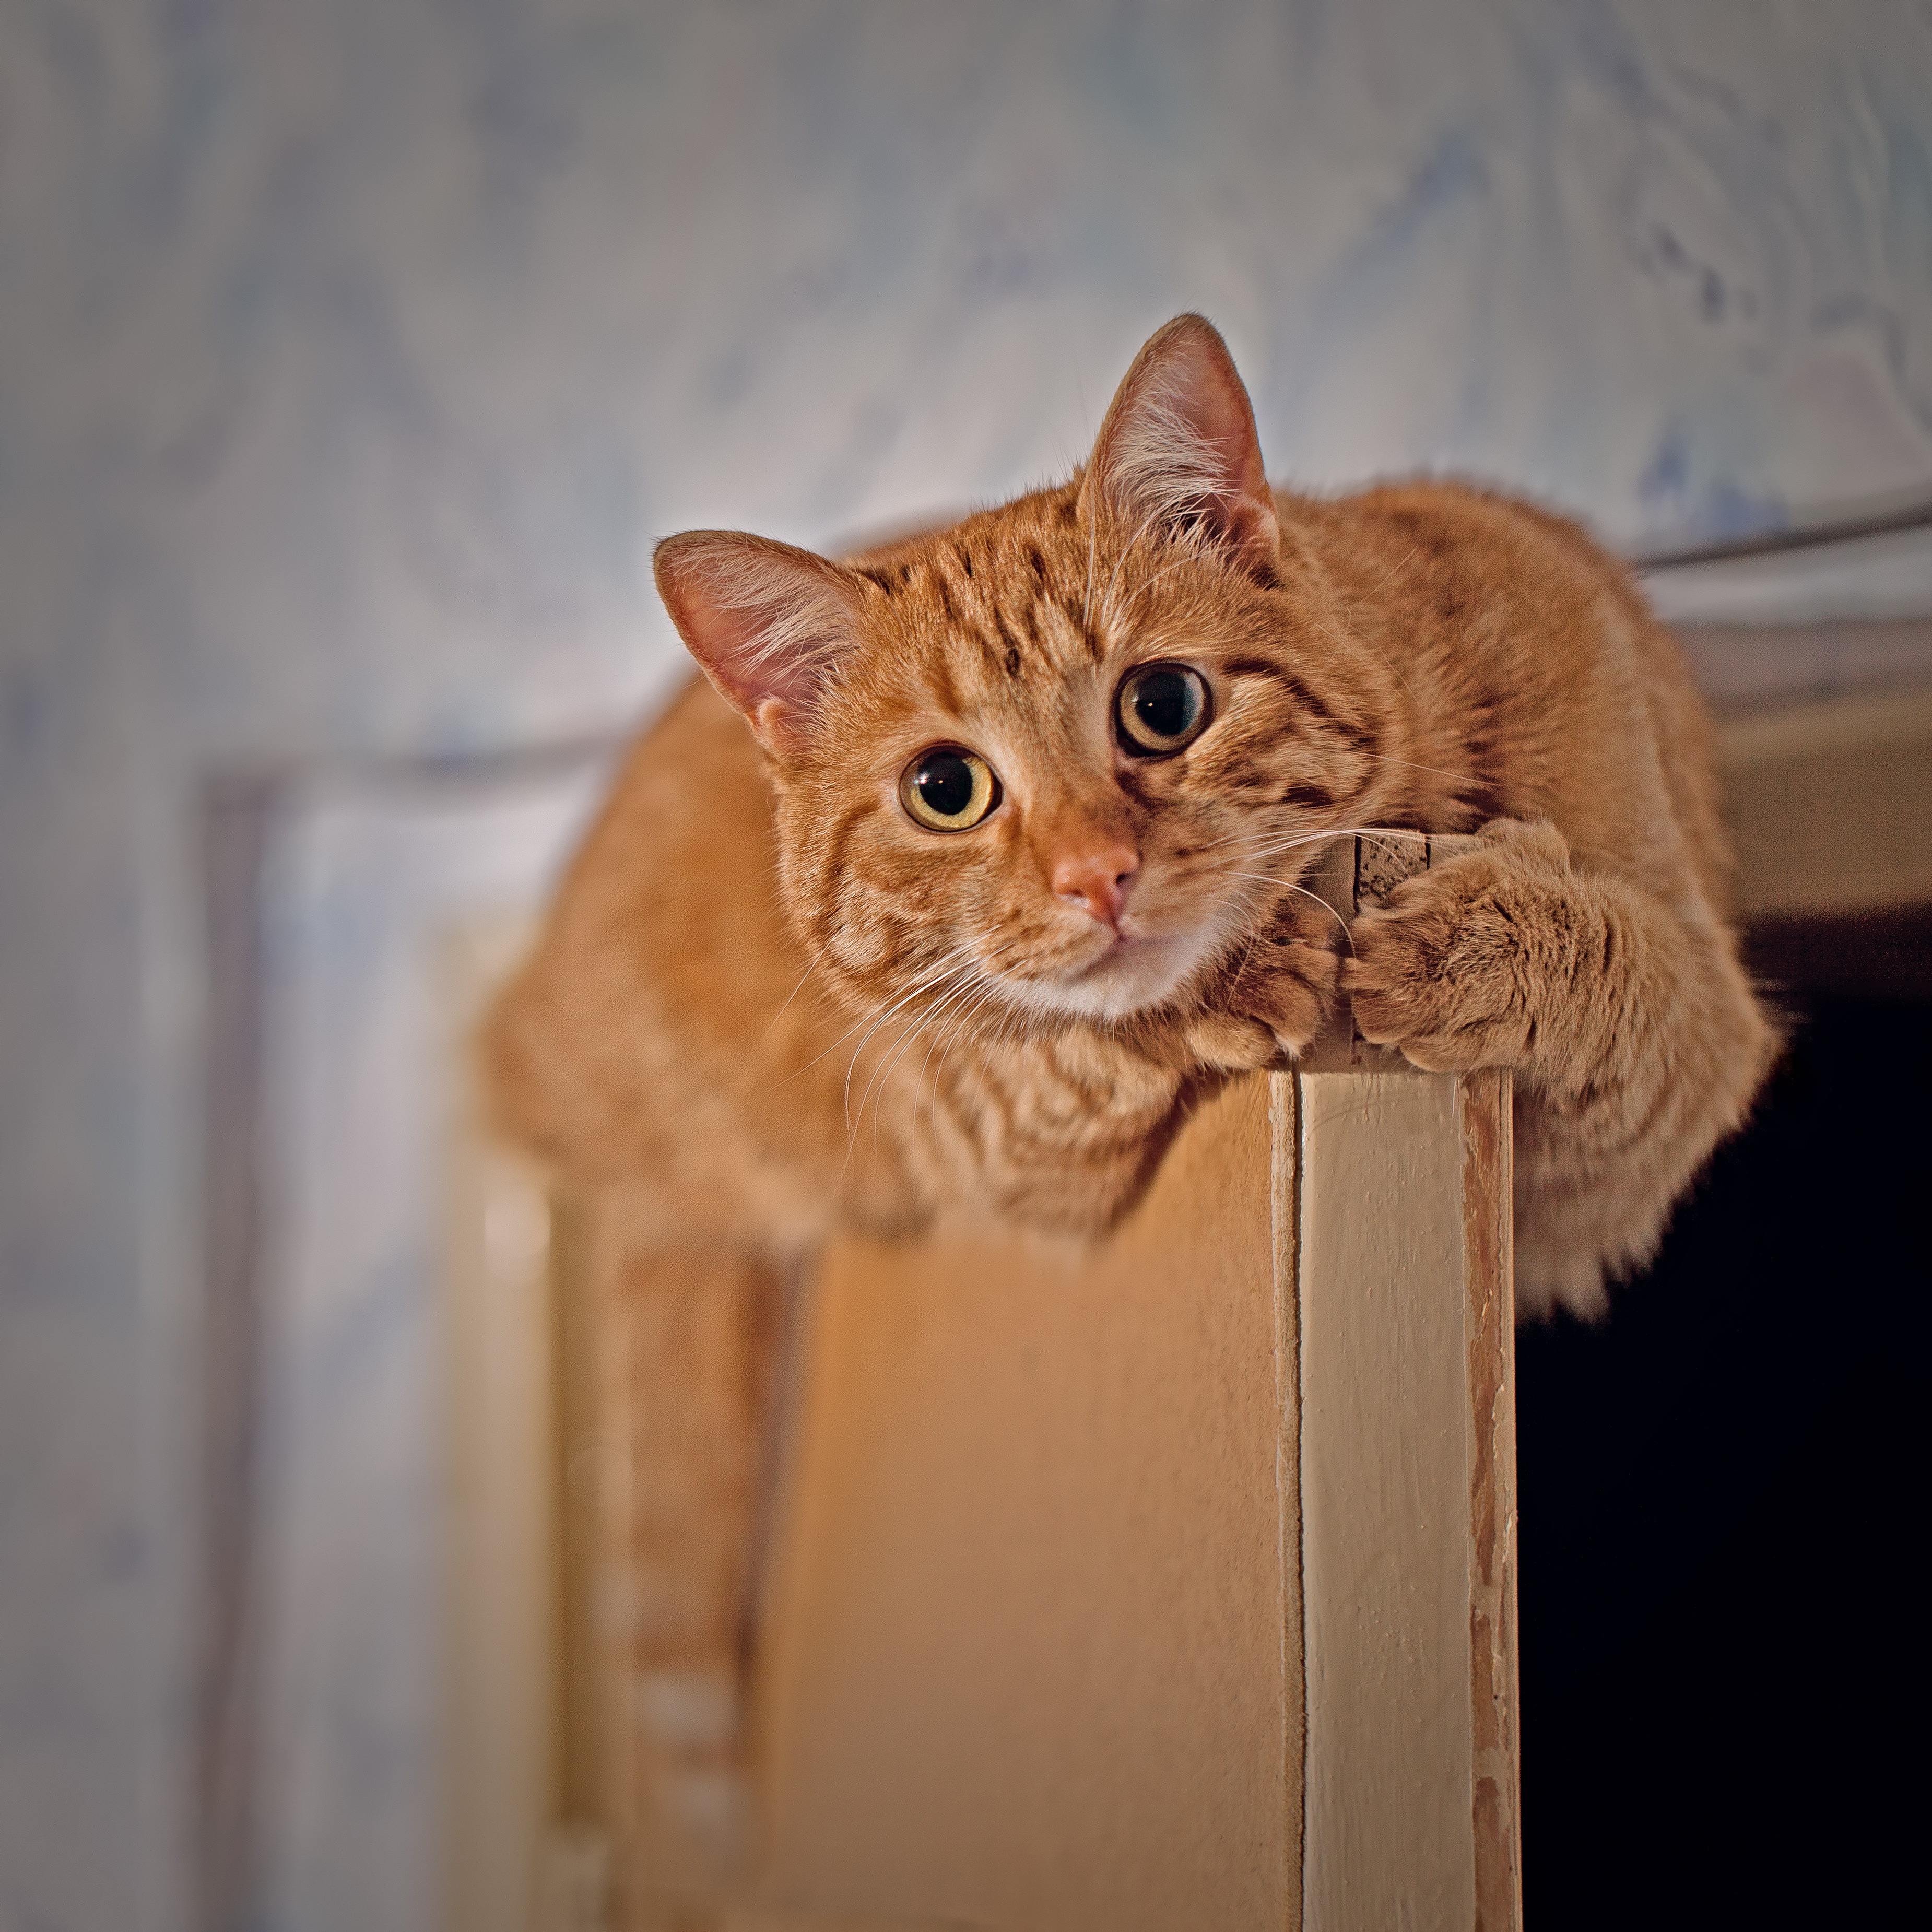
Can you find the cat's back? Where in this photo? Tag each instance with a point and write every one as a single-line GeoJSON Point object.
{"type": "Point", "coordinates": [1529, 648]}
{"type": "Point", "coordinates": [644, 1015]}
{"type": "Point", "coordinates": [1453, 572]}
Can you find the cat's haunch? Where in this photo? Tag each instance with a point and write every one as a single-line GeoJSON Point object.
{"type": "Point", "coordinates": [1042, 790]}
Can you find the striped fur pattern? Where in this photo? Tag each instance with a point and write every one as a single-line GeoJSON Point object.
{"type": "Point", "coordinates": [959, 1027]}
{"type": "Point", "coordinates": [766, 1002]}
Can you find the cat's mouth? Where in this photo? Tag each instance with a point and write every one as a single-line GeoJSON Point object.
{"type": "Point", "coordinates": [1132, 971]}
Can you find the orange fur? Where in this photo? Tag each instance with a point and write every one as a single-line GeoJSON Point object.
{"type": "Point", "coordinates": [765, 1004]}
{"type": "Point", "coordinates": [1422, 655]}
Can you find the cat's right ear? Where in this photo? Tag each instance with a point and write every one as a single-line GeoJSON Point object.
{"type": "Point", "coordinates": [769, 624]}
{"type": "Point", "coordinates": [1178, 448]}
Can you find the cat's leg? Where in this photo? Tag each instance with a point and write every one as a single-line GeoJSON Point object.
{"type": "Point", "coordinates": [671, 1341]}
{"type": "Point", "coordinates": [1061, 1131]}
{"type": "Point", "coordinates": [1284, 983]}
{"type": "Point", "coordinates": [1630, 1028]}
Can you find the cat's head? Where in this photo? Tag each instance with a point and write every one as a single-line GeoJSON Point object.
{"type": "Point", "coordinates": [1055, 760]}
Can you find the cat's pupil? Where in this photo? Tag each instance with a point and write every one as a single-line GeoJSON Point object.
{"type": "Point", "coordinates": [1165, 702]}
{"type": "Point", "coordinates": [945, 784]}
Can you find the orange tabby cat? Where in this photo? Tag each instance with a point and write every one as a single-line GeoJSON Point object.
{"type": "Point", "coordinates": [1022, 873]}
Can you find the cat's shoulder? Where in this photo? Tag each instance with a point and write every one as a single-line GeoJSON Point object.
{"type": "Point", "coordinates": [1431, 549]}
{"type": "Point", "coordinates": [1445, 517]}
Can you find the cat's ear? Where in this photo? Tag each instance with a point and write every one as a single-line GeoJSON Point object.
{"type": "Point", "coordinates": [768, 623]}
{"type": "Point", "coordinates": [1178, 449]}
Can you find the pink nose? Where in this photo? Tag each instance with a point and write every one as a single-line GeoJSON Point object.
{"type": "Point", "coordinates": [1096, 879]}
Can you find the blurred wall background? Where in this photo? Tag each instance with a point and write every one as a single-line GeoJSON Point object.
{"type": "Point", "coordinates": [352, 354]}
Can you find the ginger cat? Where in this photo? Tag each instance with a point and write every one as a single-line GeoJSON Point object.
{"type": "Point", "coordinates": [1022, 874]}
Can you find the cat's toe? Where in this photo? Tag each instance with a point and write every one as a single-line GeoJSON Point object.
{"type": "Point", "coordinates": [1413, 983]}
{"type": "Point", "coordinates": [1291, 994]}
{"type": "Point", "coordinates": [1395, 995]}
{"type": "Point", "coordinates": [1535, 840]}
{"type": "Point", "coordinates": [1231, 1043]}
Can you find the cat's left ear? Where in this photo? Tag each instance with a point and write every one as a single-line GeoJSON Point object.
{"type": "Point", "coordinates": [769, 624]}
{"type": "Point", "coordinates": [1179, 450]}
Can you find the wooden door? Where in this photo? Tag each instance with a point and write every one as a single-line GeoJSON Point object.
{"type": "Point", "coordinates": [1165, 1584]}
{"type": "Point", "coordinates": [1173, 1584]}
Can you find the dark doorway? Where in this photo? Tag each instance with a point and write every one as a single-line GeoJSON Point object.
{"type": "Point", "coordinates": [1721, 1503]}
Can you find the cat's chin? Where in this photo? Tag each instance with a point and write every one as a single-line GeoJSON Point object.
{"type": "Point", "coordinates": [1133, 975]}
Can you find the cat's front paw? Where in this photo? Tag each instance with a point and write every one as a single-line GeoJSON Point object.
{"type": "Point", "coordinates": [1229, 1043]}
{"type": "Point", "coordinates": [1287, 984]}
{"type": "Point", "coordinates": [1450, 970]}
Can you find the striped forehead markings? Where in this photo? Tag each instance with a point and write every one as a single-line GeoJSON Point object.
{"type": "Point", "coordinates": [1037, 622]}
{"type": "Point", "coordinates": [1012, 643]}
{"type": "Point", "coordinates": [1298, 687]}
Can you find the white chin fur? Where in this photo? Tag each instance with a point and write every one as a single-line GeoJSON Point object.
{"type": "Point", "coordinates": [1126, 980]}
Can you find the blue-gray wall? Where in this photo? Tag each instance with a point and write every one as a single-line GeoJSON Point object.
{"type": "Point", "coordinates": [352, 354]}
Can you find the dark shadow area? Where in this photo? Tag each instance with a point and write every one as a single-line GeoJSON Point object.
{"type": "Point", "coordinates": [1720, 1496]}
{"type": "Point", "coordinates": [1873, 955]}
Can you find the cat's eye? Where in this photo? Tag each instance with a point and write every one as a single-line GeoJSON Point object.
{"type": "Point", "coordinates": [1161, 707]}
{"type": "Point", "coordinates": [947, 789]}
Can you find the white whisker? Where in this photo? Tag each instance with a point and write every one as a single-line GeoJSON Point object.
{"type": "Point", "coordinates": [1389, 573]}
{"type": "Point", "coordinates": [878, 1012]}
{"type": "Point", "coordinates": [1283, 840]}
{"type": "Point", "coordinates": [988, 992]}
{"type": "Point", "coordinates": [1286, 885]}
{"type": "Point", "coordinates": [960, 981]}
{"type": "Point", "coordinates": [816, 958]}
{"type": "Point", "coordinates": [963, 988]}
{"type": "Point", "coordinates": [933, 980]}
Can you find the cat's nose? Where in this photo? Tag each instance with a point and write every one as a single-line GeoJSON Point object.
{"type": "Point", "coordinates": [1095, 879]}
